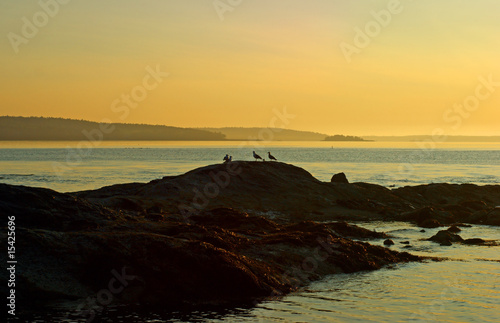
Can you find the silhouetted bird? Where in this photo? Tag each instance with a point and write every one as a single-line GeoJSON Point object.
{"type": "Point", "coordinates": [271, 157]}
{"type": "Point", "coordinates": [256, 156]}
{"type": "Point", "coordinates": [230, 159]}
{"type": "Point", "coordinates": [226, 158]}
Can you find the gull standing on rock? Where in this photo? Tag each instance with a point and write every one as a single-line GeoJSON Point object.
{"type": "Point", "coordinates": [271, 157]}
{"type": "Point", "coordinates": [256, 156]}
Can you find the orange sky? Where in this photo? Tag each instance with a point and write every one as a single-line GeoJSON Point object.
{"type": "Point", "coordinates": [352, 67]}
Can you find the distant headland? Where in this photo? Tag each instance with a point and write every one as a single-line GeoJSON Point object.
{"type": "Point", "coordinates": [344, 138]}
{"type": "Point", "coordinates": [52, 129]}
{"type": "Point", "coordinates": [60, 129]}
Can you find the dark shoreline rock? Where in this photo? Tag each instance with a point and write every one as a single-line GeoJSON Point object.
{"type": "Point", "coordinates": [240, 231]}
{"type": "Point", "coordinates": [221, 256]}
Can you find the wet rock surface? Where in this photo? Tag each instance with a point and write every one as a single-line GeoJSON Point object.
{"type": "Point", "coordinates": [218, 256]}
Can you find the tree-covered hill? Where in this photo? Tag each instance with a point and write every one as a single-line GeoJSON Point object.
{"type": "Point", "coordinates": [39, 128]}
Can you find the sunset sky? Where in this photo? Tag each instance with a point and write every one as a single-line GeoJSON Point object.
{"type": "Point", "coordinates": [417, 66]}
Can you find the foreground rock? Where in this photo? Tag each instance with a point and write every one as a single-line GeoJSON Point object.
{"type": "Point", "coordinates": [235, 232]}
{"type": "Point", "coordinates": [70, 249]}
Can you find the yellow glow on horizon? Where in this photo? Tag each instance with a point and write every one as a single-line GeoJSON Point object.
{"type": "Point", "coordinates": [264, 55]}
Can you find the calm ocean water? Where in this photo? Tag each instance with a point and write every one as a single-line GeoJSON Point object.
{"type": "Point", "coordinates": [463, 289]}
{"type": "Point", "coordinates": [65, 167]}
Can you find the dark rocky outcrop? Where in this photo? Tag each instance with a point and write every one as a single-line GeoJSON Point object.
{"type": "Point", "coordinates": [218, 256]}
{"type": "Point", "coordinates": [428, 217]}
{"type": "Point", "coordinates": [279, 191]}
{"type": "Point", "coordinates": [238, 231]}
{"type": "Point", "coordinates": [285, 193]}
{"type": "Point", "coordinates": [453, 203]}
{"type": "Point", "coordinates": [38, 208]}
{"type": "Point", "coordinates": [339, 178]}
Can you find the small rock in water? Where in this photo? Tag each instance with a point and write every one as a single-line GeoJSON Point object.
{"type": "Point", "coordinates": [445, 238]}
{"type": "Point", "coordinates": [388, 242]}
{"type": "Point", "coordinates": [405, 242]}
{"type": "Point", "coordinates": [422, 230]}
{"type": "Point", "coordinates": [476, 241]}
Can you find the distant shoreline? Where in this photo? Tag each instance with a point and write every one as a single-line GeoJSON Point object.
{"type": "Point", "coordinates": [59, 129]}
